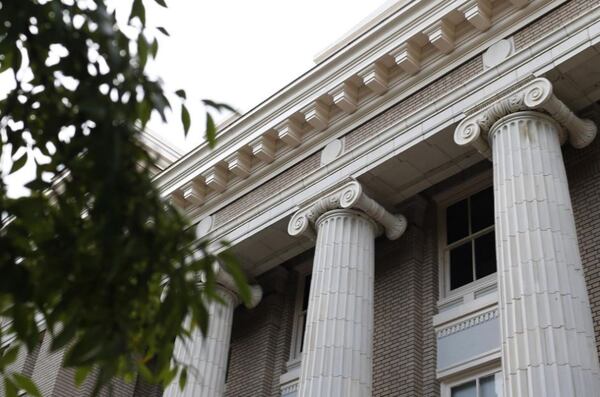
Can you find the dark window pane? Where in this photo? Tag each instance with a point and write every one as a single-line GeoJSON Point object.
{"type": "Point", "coordinates": [482, 210]}
{"type": "Point", "coordinates": [306, 292]}
{"type": "Point", "coordinates": [304, 316]}
{"type": "Point", "coordinates": [487, 386]}
{"type": "Point", "coordinates": [468, 389]}
{"type": "Point", "coordinates": [485, 255]}
{"type": "Point", "coordinates": [461, 265]}
{"type": "Point", "coordinates": [457, 221]}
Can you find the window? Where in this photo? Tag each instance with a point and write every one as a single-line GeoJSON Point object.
{"type": "Point", "coordinates": [300, 315]}
{"type": "Point", "coordinates": [484, 386]}
{"type": "Point", "coordinates": [470, 240]}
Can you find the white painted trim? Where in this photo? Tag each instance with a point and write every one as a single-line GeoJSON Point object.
{"type": "Point", "coordinates": [483, 365]}
{"type": "Point", "coordinates": [466, 310]}
{"type": "Point", "coordinates": [341, 68]}
{"type": "Point", "coordinates": [303, 271]}
{"type": "Point", "coordinates": [408, 131]}
{"type": "Point", "coordinates": [443, 200]}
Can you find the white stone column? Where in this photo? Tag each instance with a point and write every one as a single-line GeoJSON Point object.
{"type": "Point", "coordinates": [337, 354]}
{"type": "Point", "coordinates": [207, 354]}
{"type": "Point", "coordinates": [548, 342]}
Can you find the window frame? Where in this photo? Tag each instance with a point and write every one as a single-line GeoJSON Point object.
{"type": "Point", "coordinates": [303, 270]}
{"type": "Point", "coordinates": [444, 200]}
{"type": "Point", "coordinates": [475, 374]}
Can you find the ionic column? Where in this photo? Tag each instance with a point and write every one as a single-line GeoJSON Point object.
{"type": "Point", "coordinates": [207, 354]}
{"type": "Point", "coordinates": [337, 354]}
{"type": "Point", "coordinates": [548, 343]}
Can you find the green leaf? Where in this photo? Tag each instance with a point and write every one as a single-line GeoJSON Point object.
{"type": "Point", "coordinates": [9, 387]}
{"type": "Point", "coordinates": [145, 372]}
{"type": "Point", "coordinates": [64, 336]}
{"type": "Point", "coordinates": [142, 50]}
{"type": "Point", "coordinates": [163, 31]}
{"type": "Point", "coordinates": [6, 61]}
{"type": "Point", "coordinates": [181, 94]}
{"type": "Point", "coordinates": [81, 373]}
{"type": "Point", "coordinates": [182, 379]}
{"type": "Point", "coordinates": [185, 119]}
{"type": "Point", "coordinates": [161, 3]}
{"type": "Point", "coordinates": [24, 383]}
{"type": "Point", "coordinates": [154, 48]}
{"type": "Point", "coordinates": [211, 131]}
{"type": "Point", "coordinates": [18, 163]}
{"type": "Point", "coordinates": [9, 356]}
{"type": "Point", "coordinates": [138, 10]}
{"type": "Point", "coordinates": [232, 266]}
{"type": "Point", "coordinates": [218, 106]}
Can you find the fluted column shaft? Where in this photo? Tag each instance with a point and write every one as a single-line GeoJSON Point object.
{"type": "Point", "coordinates": [207, 354]}
{"type": "Point", "coordinates": [337, 354]}
{"type": "Point", "coordinates": [548, 346]}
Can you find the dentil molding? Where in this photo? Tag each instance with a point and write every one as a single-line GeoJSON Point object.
{"type": "Point", "coordinates": [535, 95]}
{"type": "Point", "coordinates": [349, 195]}
{"type": "Point", "coordinates": [468, 323]}
{"type": "Point", "coordinates": [433, 30]}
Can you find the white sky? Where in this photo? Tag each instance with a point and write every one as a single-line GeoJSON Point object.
{"type": "Point", "coordinates": [234, 51]}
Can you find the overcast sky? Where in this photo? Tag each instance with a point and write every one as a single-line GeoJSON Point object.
{"type": "Point", "coordinates": [234, 51]}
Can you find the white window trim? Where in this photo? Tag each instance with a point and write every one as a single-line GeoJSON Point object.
{"type": "Point", "coordinates": [303, 270]}
{"type": "Point", "coordinates": [467, 376]}
{"type": "Point", "coordinates": [443, 201]}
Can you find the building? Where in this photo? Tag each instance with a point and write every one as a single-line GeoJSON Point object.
{"type": "Point", "coordinates": [445, 119]}
{"type": "Point", "coordinates": [419, 212]}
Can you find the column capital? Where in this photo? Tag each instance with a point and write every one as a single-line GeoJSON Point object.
{"type": "Point", "coordinates": [226, 282]}
{"type": "Point", "coordinates": [348, 195]}
{"type": "Point", "coordinates": [534, 95]}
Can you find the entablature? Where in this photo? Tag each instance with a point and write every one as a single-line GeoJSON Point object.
{"type": "Point", "coordinates": [402, 157]}
{"type": "Point", "coordinates": [404, 53]}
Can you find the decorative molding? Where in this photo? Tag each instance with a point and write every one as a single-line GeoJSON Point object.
{"type": "Point", "coordinates": [240, 164]}
{"type": "Point", "coordinates": [290, 133]}
{"type": "Point", "coordinates": [535, 95]}
{"type": "Point", "coordinates": [520, 3]}
{"type": "Point", "coordinates": [204, 226]}
{"type": "Point", "coordinates": [408, 57]}
{"type": "Point", "coordinates": [317, 115]}
{"type": "Point", "coordinates": [516, 70]}
{"type": "Point", "coordinates": [332, 151]}
{"type": "Point", "coordinates": [348, 195]}
{"type": "Point", "coordinates": [435, 20]}
{"type": "Point", "coordinates": [216, 178]}
{"type": "Point", "coordinates": [468, 323]}
{"type": "Point", "coordinates": [264, 148]}
{"type": "Point", "coordinates": [193, 192]}
{"type": "Point", "coordinates": [290, 388]}
{"type": "Point", "coordinates": [498, 52]}
{"type": "Point", "coordinates": [375, 77]}
{"type": "Point", "coordinates": [345, 97]}
{"type": "Point", "coordinates": [478, 13]}
{"type": "Point", "coordinates": [176, 199]}
{"type": "Point", "coordinates": [442, 36]}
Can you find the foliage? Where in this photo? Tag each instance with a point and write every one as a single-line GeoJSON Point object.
{"type": "Point", "coordinates": [93, 255]}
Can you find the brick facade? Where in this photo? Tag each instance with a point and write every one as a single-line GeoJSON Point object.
{"type": "Point", "coordinates": [583, 171]}
{"type": "Point", "coordinates": [260, 343]}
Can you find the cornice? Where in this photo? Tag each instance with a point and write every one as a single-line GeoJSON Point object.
{"type": "Point", "coordinates": [454, 106]}
{"type": "Point", "coordinates": [348, 195]}
{"type": "Point", "coordinates": [394, 53]}
{"type": "Point", "coordinates": [535, 95]}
